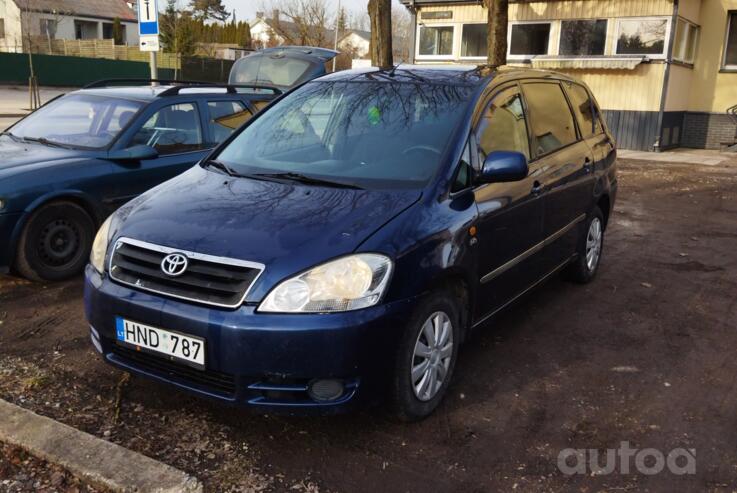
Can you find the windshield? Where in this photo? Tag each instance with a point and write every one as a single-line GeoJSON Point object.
{"type": "Point", "coordinates": [78, 120]}
{"type": "Point", "coordinates": [275, 70]}
{"type": "Point", "coordinates": [369, 134]}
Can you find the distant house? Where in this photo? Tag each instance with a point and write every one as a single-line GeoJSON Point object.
{"type": "Point", "coordinates": [355, 42]}
{"type": "Point", "coordinates": [275, 31]}
{"type": "Point", "coordinates": [65, 19]}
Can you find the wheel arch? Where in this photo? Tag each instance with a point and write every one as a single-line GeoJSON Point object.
{"type": "Point", "coordinates": [459, 283]}
{"type": "Point", "coordinates": [90, 206]}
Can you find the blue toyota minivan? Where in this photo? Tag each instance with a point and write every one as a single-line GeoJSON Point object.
{"type": "Point", "coordinates": [348, 238]}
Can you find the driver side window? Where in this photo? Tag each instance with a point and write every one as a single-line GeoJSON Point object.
{"type": "Point", "coordinates": [503, 126]}
{"type": "Point", "coordinates": [173, 129]}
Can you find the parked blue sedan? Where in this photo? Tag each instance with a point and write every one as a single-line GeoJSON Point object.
{"type": "Point", "coordinates": [66, 167]}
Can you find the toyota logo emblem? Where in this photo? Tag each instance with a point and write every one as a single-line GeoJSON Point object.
{"type": "Point", "coordinates": [174, 264]}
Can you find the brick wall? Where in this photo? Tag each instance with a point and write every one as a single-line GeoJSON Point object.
{"type": "Point", "coordinates": [707, 130]}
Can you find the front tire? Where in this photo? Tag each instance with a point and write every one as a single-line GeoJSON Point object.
{"type": "Point", "coordinates": [590, 247]}
{"type": "Point", "coordinates": [55, 242]}
{"type": "Point", "coordinates": [426, 358]}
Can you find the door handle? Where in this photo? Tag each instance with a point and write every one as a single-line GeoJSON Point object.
{"type": "Point", "coordinates": [537, 188]}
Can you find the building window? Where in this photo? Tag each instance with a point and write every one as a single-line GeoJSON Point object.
{"type": "Point", "coordinates": [473, 41]}
{"type": "Point", "coordinates": [48, 28]}
{"type": "Point", "coordinates": [529, 39]}
{"type": "Point", "coordinates": [642, 36]}
{"type": "Point", "coordinates": [730, 47]}
{"type": "Point", "coordinates": [687, 35]}
{"type": "Point", "coordinates": [436, 41]}
{"type": "Point", "coordinates": [2, 28]}
{"type": "Point", "coordinates": [586, 37]}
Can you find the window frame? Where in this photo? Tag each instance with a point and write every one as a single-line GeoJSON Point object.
{"type": "Point", "coordinates": [607, 38]}
{"type": "Point", "coordinates": [666, 39]}
{"type": "Point", "coordinates": [529, 56]}
{"type": "Point", "coordinates": [460, 55]}
{"type": "Point", "coordinates": [559, 83]}
{"type": "Point", "coordinates": [450, 56]}
{"type": "Point", "coordinates": [731, 15]}
{"type": "Point", "coordinates": [680, 57]}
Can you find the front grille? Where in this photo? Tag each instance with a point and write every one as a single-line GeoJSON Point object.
{"type": "Point", "coordinates": [220, 383]}
{"type": "Point", "coordinates": [208, 279]}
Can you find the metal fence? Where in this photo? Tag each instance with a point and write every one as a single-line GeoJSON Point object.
{"type": "Point", "coordinates": [172, 64]}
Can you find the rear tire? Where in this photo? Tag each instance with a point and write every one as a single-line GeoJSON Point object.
{"type": "Point", "coordinates": [590, 247]}
{"type": "Point", "coordinates": [429, 346]}
{"type": "Point", "coordinates": [55, 242]}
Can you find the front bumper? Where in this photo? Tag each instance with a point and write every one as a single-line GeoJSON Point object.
{"type": "Point", "coordinates": [8, 224]}
{"type": "Point", "coordinates": [253, 359]}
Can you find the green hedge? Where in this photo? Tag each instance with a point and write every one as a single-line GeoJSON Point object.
{"type": "Point", "coordinates": [54, 70]}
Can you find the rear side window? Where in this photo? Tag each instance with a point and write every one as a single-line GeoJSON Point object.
{"type": "Point", "coordinates": [550, 117]}
{"type": "Point", "coordinates": [502, 126]}
{"type": "Point", "coordinates": [225, 117]}
{"type": "Point", "coordinates": [583, 108]}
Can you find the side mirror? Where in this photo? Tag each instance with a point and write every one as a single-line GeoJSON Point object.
{"type": "Point", "coordinates": [503, 166]}
{"type": "Point", "coordinates": [134, 154]}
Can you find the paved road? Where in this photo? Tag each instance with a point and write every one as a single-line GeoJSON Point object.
{"type": "Point", "coordinates": [14, 101]}
{"type": "Point", "coordinates": [644, 355]}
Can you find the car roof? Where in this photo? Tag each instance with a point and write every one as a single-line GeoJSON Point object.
{"type": "Point", "coordinates": [467, 75]}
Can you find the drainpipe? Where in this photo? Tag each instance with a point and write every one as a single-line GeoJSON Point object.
{"type": "Point", "coordinates": [657, 147]}
{"type": "Point", "coordinates": [413, 33]}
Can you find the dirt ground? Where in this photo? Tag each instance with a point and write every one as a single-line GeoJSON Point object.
{"type": "Point", "coordinates": [644, 355]}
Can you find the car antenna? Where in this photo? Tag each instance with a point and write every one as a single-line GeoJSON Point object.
{"type": "Point", "coordinates": [394, 68]}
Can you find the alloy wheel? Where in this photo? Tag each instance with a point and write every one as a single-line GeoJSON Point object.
{"type": "Point", "coordinates": [432, 356]}
{"type": "Point", "coordinates": [593, 244]}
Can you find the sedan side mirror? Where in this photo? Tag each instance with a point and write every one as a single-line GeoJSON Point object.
{"type": "Point", "coordinates": [503, 166]}
{"type": "Point", "coordinates": [135, 153]}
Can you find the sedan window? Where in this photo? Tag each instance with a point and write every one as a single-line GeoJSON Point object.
{"type": "Point", "coordinates": [172, 130]}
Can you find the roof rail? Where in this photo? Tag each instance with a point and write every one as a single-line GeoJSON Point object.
{"type": "Point", "coordinates": [181, 84]}
{"type": "Point", "coordinates": [231, 88]}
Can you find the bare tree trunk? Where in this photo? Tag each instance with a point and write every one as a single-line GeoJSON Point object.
{"type": "Point", "coordinates": [380, 12]}
{"type": "Point", "coordinates": [497, 36]}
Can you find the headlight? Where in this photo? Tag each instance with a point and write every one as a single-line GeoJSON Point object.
{"type": "Point", "coordinates": [2, 204]}
{"type": "Point", "coordinates": [99, 246]}
{"type": "Point", "coordinates": [348, 283]}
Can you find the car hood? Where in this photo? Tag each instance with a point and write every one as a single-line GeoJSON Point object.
{"type": "Point", "coordinates": [14, 154]}
{"type": "Point", "coordinates": [288, 227]}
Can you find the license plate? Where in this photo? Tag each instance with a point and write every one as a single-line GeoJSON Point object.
{"type": "Point", "coordinates": [175, 345]}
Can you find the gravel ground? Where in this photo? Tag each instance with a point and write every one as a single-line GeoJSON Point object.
{"type": "Point", "coordinates": [643, 355]}
{"type": "Point", "coordinates": [21, 473]}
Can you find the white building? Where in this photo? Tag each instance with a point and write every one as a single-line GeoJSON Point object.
{"type": "Point", "coordinates": [65, 19]}
{"type": "Point", "coordinates": [355, 42]}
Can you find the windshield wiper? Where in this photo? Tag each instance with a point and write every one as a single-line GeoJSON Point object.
{"type": "Point", "coordinates": [309, 180]}
{"type": "Point", "coordinates": [221, 166]}
{"type": "Point", "coordinates": [46, 142]}
{"type": "Point", "coordinates": [12, 136]}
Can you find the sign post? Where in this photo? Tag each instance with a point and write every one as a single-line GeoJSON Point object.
{"type": "Point", "coordinates": [148, 31]}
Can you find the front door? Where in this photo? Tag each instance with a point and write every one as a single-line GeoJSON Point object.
{"type": "Point", "coordinates": [510, 222]}
{"type": "Point", "coordinates": [176, 132]}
